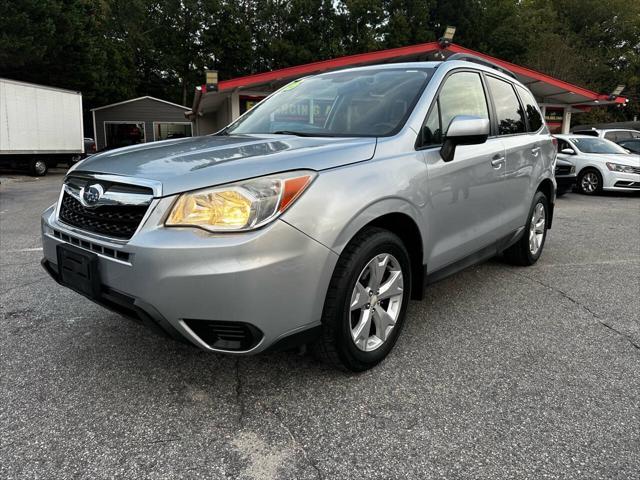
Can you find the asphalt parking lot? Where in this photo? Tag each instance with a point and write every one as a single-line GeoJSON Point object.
{"type": "Point", "coordinates": [501, 372]}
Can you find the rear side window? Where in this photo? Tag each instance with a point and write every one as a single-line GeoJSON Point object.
{"type": "Point", "coordinates": [530, 109]}
{"type": "Point", "coordinates": [461, 94]}
{"type": "Point", "coordinates": [618, 135]}
{"type": "Point", "coordinates": [508, 110]}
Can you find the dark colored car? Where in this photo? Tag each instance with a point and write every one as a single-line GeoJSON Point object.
{"type": "Point", "coordinates": [89, 146]}
{"type": "Point", "coordinates": [565, 174]}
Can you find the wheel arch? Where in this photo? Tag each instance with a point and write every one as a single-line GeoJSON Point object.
{"type": "Point", "coordinates": [590, 166]}
{"type": "Point", "coordinates": [407, 229]}
{"type": "Point", "coordinates": [547, 187]}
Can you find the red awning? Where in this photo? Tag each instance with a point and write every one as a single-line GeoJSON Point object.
{"type": "Point", "coordinates": [545, 88]}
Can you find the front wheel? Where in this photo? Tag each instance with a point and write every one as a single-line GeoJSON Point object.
{"type": "Point", "coordinates": [527, 250]}
{"type": "Point", "coordinates": [366, 302]}
{"type": "Point", "coordinates": [590, 182]}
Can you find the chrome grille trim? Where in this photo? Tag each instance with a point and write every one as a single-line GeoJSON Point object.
{"type": "Point", "coordinates": [110, 197]}
{"type": "Point", "coordinates": [116, 195]}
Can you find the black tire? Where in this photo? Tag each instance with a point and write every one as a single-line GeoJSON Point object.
{"type": "Point", "coordinates": [593, 173]}
{"type": "Point", "coordinates": [520, 252]}
{"type": "Point", "coordinates": [73, 160]}
{"type": "Point", "coordinates": [38, 167]}
{"type": "Point", "coordinates": [335, 345]}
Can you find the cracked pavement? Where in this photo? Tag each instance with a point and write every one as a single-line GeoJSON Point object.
{"type": "Point", "coordinates": [501, 372]}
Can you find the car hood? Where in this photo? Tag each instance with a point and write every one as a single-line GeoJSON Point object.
{"type": "Point", "coordinates": [191, 163]}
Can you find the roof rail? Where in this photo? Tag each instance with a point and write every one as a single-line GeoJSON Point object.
{"type": "Point", "coordinates": [475, 59]}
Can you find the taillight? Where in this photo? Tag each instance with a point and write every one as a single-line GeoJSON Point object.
{"type": "Point", "coordinates": [93, 147]}
{"type": "Point", "coordinates": [555, 143]}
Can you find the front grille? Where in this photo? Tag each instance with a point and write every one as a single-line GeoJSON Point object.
{"type": "Point", "coordinates": [563, 169]}
{"type": "Point", "coordinates": [108, 217]}
{"type": "Point", "coordinates": [232, 336]}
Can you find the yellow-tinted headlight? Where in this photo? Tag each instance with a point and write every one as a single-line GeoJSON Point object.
{"type": "Point", "coordinates": [241, 206]}
{"type": "Point", "coordinates": [219, 209]}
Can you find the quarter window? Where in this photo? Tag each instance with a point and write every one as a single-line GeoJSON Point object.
{"type": "Point", "coordinates": [616, 136]}
{"type": "Point", "coordinates": [508, 108]}
{"type": "Point", "coordinates": [531, 109]}
{"type": "Point", "coordinates": [431, 132]}
{"type": "Point", "coordinates": [462, 94]}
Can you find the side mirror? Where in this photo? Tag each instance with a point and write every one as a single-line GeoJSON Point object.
{"type": "Point", "coordinates": [464, 130]}
{"type": "Point", "coordinates": [568, 151]}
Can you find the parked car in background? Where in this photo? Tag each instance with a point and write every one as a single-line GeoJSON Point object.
{"type": "Point", "coordinates": [565, 176]}
{"type": "Point", "coordinates": [283, 230]}
{"type": "Point", "coordinates": [600, 164]}
{"type": "Point", "coordinates": [615, 135]}
{"type": "Point", "coordinates": [632, 145]}
{"type": "Point", "coordinates": [89, 149]}
{"type": "Point", "coordinates": [89, 146]}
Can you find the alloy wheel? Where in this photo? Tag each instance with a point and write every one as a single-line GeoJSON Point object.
{"type": "Point", "coordinates": [589, 182]}
{"type": "Point", "coordinates": [376, 302]}
{"type": "Point", "coordinates": [536, 228]}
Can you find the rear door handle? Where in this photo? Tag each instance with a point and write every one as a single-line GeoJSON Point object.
{"type": "Point", "coordinates": [535, 151]}
{"type": "Point", "coordinates": [497, 161]}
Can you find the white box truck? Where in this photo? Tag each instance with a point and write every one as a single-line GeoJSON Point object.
{"type": "Point", "coordinates": [40, 126]}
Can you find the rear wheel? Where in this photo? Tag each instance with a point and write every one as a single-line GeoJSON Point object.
{"type": "Point", "coordinates": [528, 249]}
{"type": "Point", "coordinates": [366, 302]}
{"type": "Point", "coordinates": [590, 181]}
{"type": "Point", "coordinates": [38, 167]}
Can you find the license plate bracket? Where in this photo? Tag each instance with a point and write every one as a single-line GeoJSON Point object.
{"type": "Point", "coordinates": [78, 270]}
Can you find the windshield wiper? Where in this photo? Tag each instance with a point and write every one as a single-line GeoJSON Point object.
{"type": "Point", "coordinates": [291, 132]}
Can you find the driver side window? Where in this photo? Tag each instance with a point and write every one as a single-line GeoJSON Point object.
{"type": "Point", "coordinates": [462, 94]}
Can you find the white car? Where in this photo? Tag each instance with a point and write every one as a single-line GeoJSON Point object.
{"type": "Point", "coordinates": [600, 164]}
{"type": "Point", "coordinates": [616, 135]}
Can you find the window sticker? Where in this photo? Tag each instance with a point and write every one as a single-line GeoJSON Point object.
{"type": "Point", "coordinates": [292, 85]}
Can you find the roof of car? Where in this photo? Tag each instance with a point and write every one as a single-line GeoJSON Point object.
{"type": "Point", "coordinates": [449, 64]}
{"type": "Point", "coordinates": [607, 130]}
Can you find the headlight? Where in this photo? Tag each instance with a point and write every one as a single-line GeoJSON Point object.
{"type": "Point", "coordinates": [239, 206]}
{"type": "Point", "coordinates": [617, 167]}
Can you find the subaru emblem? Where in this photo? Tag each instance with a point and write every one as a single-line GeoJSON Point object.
{"type": "Point", "coordinates": [92, 194]}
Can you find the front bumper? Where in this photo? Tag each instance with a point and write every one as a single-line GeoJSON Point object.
{"type": "Point", "coordinates": [628, 182]}
{"type": "Point", "coordinates": [270, 281]}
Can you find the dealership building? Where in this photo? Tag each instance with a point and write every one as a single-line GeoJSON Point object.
{"type": "Point", "coordinates": [216, 106]}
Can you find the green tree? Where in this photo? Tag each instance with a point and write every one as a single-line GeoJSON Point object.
{"type": "Point", "coordinates": [361, 25]}
{"type": "Point", "coordinates": [65, 44]}
{"type": "Point", "coordinates": [409, 22]}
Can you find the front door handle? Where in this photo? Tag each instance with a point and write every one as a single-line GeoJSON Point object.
{"type": "Point", "coordinates": [497, 161]}
{"type": "Point", "coordinates": [535, 151]}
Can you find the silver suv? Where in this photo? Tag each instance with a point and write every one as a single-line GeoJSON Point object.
{"type": "Point", "coordinates": [317, 215]}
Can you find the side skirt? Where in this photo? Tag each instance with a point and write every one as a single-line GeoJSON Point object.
{"type": "Point", "coordinates": [477, 257]}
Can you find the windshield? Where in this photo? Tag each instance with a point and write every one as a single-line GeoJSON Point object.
{"type": "Point", "coordinates": [360, 103]}
{"type": "Point", "coordinates": [597, 145]}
